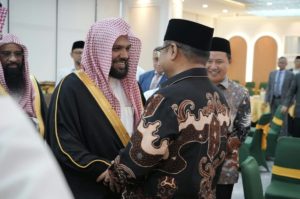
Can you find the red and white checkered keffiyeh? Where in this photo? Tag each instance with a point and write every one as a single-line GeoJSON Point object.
{"type": "Point", "coordinates": [26, 101]}
{"type": "Point", "coordinates": [3, 13]}
{"type": "Point", "coordinates": [97, 59]}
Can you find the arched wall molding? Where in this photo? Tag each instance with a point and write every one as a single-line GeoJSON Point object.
{"type": "Point", "coordinates": [239, 64]}
{"type": "Point", "coordinates": [251, 45]}
{"type": "Point", "coordinates": [280, 47]}
{"type": "Point", "coordinates": [263, 58]}
{"type": "Point", "coordinates": [250, 53]}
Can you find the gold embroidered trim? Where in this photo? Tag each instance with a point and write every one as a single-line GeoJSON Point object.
{"type": "Point", "coordinates": [105, 106]}
{"type": "Point", "coordinates": [58, 141]}
{"type": "Point", "coordinates": [37, 106]}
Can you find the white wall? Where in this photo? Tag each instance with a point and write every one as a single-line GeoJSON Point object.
{"type": "Point", "coordinates": [74, 20]}
{"type": "Point", "coordinates": [208, 21]}
{"type": "Point", "coordinates": [49, 27]}
{"type": "Point", "coordinates": [33, 21]}
{"type": "Point", "coordinates": [108, 8]}
{"type": "Point", "coordinates": [146, 29]}
{"type": "Point", "coordinates": [149, 20]}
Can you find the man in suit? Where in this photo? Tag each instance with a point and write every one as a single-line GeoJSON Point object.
{"type": "Point", "coordinates": [280, 81]}
{"type": "Point", "coordinates": [292, 96]}
{"type": "Point", "coordinates": [152, 79]}
{"type": "Point", "coordinates": [296, 69]}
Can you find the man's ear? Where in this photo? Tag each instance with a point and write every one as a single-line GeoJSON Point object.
{"type": "Point", "coordinates": [174, 51]}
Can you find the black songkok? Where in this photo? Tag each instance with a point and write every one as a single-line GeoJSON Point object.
{"type": "Point", "coordinates": [78, 44]}
{"type": "Point", "coordinates": [190, 33]}
{"type": "Point", "coordinates": [220, 44]}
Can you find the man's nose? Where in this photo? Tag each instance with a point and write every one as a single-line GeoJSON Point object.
{"type": "Point", "coordinates": [124, 53]}
{"type": "Point", "coordinates": [12, 57]}
{"type": "Point", "coordinates": [212, 65]}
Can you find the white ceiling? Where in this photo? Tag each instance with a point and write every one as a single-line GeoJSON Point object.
{"type": "Point", "coordinates": [268, 8]}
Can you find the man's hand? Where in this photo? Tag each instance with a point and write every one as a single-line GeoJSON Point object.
{"type": "Point", "coordinates": [102, 176]}
{"type": "Point", "coordinates": [108, 180]}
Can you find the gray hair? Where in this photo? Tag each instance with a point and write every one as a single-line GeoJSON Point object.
{"type": "Point", "coordinates": [192, 54]}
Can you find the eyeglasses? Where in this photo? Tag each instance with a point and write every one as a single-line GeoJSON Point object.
{"type": "Point", "coordinates": [161, 48]}
{"type": "Point", "coordinates": [8, 54]}
{"type": "Point", "coordinates": [77, 52]}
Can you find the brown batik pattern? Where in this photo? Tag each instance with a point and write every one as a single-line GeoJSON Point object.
{"type": "Point", "coordinates": [143, 151]}
{"type": "Point", "coordinates": [166, 187]}
{"type": "Point", "coordinates": [153, 104]}
{"type": "Point", "coordinates": [212, 124]}
{"type": "Point", "coordinates": [238, 100]}
{"type": "Point", "coordinates": [208, 127]}
{"type": "Point", "coordinates": [121, 173]}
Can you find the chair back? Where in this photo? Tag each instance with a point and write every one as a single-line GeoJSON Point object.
{"type": "Point", "coordinates": [259, 142]}
{"type": "Point", "coordinates": [263, 85]}
{"type": "Point", "coordinates": [250, 84]}
{"type": "Point", "coordinates": [264, 119]}
{"type": "Point", "coordinates": [251, 179]}
{"type": "Point", "coordinates": [277, 120]}
{"type": "Point", "coordinates": [286, 166]}
{"type": "Point", "coordinates": [251, 87]}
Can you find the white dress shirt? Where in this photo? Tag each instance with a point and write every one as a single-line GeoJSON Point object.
{"type": "Point", "coordinates": [127, 113]}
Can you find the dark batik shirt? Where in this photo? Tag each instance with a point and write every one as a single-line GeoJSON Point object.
{"type": "Point", "coordinates": [180, 143]}
{"type": "Point", "coordinates": [240, 112]}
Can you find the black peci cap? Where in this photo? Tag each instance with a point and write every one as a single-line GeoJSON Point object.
{"type": "Point", "coordinates": [78, 44]}
{"type": "Point", "coordinates": [190, 33]}
{"type": "Point", "coordinates": [220, 44]}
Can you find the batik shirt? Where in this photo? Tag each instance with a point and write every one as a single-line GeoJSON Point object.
{"type": "Point", "coordinates": [239, 102]}
{"type": "Point", "coordinates": [180, 143]}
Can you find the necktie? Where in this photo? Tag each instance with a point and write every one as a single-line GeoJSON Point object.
{"type": "Point", "coordinates": [155, 81]}
{"type": "Point", "coordinates": [277, 84]}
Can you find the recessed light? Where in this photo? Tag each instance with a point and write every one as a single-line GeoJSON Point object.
{"type": "Point", "coordinates": [204, 6]}
{"type": "Point", "coordinates": [224, 10]}
{"type": "Point", "coordinates": [269, 3]}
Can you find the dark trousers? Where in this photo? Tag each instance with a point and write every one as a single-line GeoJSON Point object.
{"type": "Point", "coordinates": [224, 191]}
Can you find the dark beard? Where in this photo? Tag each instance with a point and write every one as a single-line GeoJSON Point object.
{"type": "Point", "coordinates": [14, 78]}
{"type": "Point", "coordinates": [119, 74]}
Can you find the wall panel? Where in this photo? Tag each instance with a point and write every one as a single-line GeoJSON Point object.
{"type": "Point", "coordinates": [265, 58]}
{"type": "Point", "coordinates": [237, 68]}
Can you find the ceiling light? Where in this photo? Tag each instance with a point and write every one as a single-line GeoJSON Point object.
{"type": "Point", "coordinates": [276, 13]}
{"type": "Point", "coordinates": [269, 3]}
{"type": "Point", "coordinates": [224, 10]}
{"type": "Point", "coordinates": [236, 3]}
{"type": "Point", "coordinates": [204, 6]}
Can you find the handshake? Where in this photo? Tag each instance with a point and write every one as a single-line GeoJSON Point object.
{"type": "Point", "coordinates": [109, 179]}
